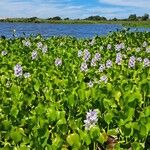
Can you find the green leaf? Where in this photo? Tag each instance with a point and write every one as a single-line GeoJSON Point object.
{"type": "Point", "coordinates": [94, 132]}
{"type": "Point", "coordinates": [23, 147]}
{"type": "Point", "coordinates": [143, 130]}
{"type": "Point", "coordinates": [56, 142]}
{"type": "Point", "coordinates": [108, 117]}
{"type": "Point", "coordinates": [37, 85]}
{"type": "Point", "coordinates": [80, 76]}
{"type": "Point", "coordinates": [16, 136]}
{"type": "Point", "coordinates": [101, 138]}
{"type": "Point", "coordinates": [71, 100]}
{"type": "Point", "coordinates": [15, 92]}
{"type": "Point", "coordinates": [52, 114]}
{"type": "Point", "coordinates": [81, 94]}
{"type": "Point", "coordinates": [109, 87]}
{"type": "Point", "coordinates": [61, 121]}
{"type": "Point", "coordinates": [85, 137]}
{"type": "Point", "coordinates": [147, 111]}
{"type": "Point", "coordinates": [135, 96]}
{"type": "Point", "coordinates": [112, 132]}
{"type": "Point", "coordinates": [136, 146]}
{"type": "Point", "coordinates": [117, 95]}
{"type": "Point", "coordinates": [87, 94]}
{"type": "Point", "coordinates": [6, 124]}
{"type": "Point", "coordinates": [73, 139]}
{"type": "Point", "coordinates": [14, 111]}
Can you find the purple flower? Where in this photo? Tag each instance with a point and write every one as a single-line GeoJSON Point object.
{"type": "Point", "coordinates": [90, 84]}
{"type": "Point", "coordinates": [34, 54]}
{"type": "Point", "coordinates": [44, 49]}
{"type": "Point", "coordinates": [129, 48]}
{"type": "Point", "coordinates": [58, 62]}
{"type": "Point", "coordinates": [138, 49]}
{"type": "Point", "coordinates": [4, 53]}
{"type": "Point", "coordinates": [108, 64]}
{"type": "Point", "coordinates": [27, 75]}
{"type": "Point", "coordinates": [91, 119]}
{"type": "Point", "coordinates": [26, 43]}
{"type": "Point", "coordinates": [139, 59]}
{"type": "Point", "coordinates": [79, 53]}
{"type": "Point", "coordinates": [146, 62]}
{"type": "Point", "coordinates": [104, 79]}
{"type": "Point", "coordinates": [120, 46]}
{"type": "Point", "coordinates": [92, 42]}
{"type": "Point", "coordinates": [132, 61]}
{"type": "Point", "coordinates": [102, 67]}
{"type": "Point", "coordinates": [118, 58]}
{"type": "Point", "coordinates": [18, 70]}
{"type": "Point", "coordinates": [144, 44]}
{"type": "Point", "coordinates": [93, 62]}
{"type": "Point", "coordinates": [86, 55]}
{"type": "Point", "coordinates": [8, 83]}
{"type": "Point", "coordinates": [117, 47]}
{"type": "Point", "coordinates": [84, 67]}
{"type": "Point", "coordinates": [148, 50]}
{"type": "Point", "coordinates": [97, 56]}
{"type": "Point", "coordinates": [109, 46]}
{"type": "Point", "coordinates": [39, 45]}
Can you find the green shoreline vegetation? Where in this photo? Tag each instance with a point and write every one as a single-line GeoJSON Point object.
{"type": "Point", "coordinates": [131, 21]}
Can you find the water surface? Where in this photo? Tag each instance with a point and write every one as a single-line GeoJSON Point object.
{"type": "Point", "coordinates": [47, 30]}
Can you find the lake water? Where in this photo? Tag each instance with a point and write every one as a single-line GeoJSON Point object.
{"type": "Point", "coordinates": [47, 30]}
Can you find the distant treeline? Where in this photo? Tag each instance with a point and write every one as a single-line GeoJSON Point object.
{"type": "Point", "coordinates": [132, 17]}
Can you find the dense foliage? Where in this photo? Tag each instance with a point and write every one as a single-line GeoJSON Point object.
{"type": "Point", "coordinates": [133, 20]}
{"type": "Point", "coordinates": [67, 93]}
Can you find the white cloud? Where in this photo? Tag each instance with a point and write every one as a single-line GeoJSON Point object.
{"type": "Point", "coordinates": [106, 12]}
{"type": "Point", "coordinates": [131, 3]}
{"type": "Point", "coordinates": [65, 8]}
{"type": "Point", "coordinates": [51, 8]}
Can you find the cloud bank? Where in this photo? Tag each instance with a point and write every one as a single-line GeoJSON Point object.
{"type": "Point", "coordinates": [73, 8]}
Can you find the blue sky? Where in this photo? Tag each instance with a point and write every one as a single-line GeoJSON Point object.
{"type": "Point", "coordinates": [73, 8]}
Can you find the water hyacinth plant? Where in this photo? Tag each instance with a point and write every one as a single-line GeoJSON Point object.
{"type": "Point", "coordinates": [109, 46]}
{"type": "Point", "coordinates": [139, 59]}
{"type": "Point", "coordinates": [67, 93]}
{"type": "Point", "coordinates": [108, 64]}
{"type": "Point", "coordinates": [103, 79]}
{"type": "Point", "coordinates": [34, 54]}
{"type": "Point", "coordinates": [146, 62]}
{"type": "Point", "coordinates": [39, 45]}
{"type": "Point", "coordinates": [118, 58]}
{"type": "Point", "coordinates": [132, 61]}
{"type": "Point", "coordinates": [93, 62]}
{"type": "Point", "coordinates": [27, 75]}
{"type": "Point", "coordinates": [84, 67]}
{"type": "Point", "coordinates": [102, 67]}
{"type": "Point", "coordinates": [148, 49]}
{"type": "Point", "coordinates": [79, 53]}
{"type": "Point", "coordinates": [144, 44]}
{"type": "Point", "coordinates": [91, 119]}
{"type": "Point", "coordinates": [26, 43]}
{"type": "Point", "coordinates": [120, 46]}
{"type": "Point", "coordinates": [44, 49]}
{"type": "Point", "coordinates": [97, 56]}
{"type": "Point", "coordinates": [90, 84]}
{"type": "Point", "coordinates": [4, 53]}
{"type": "Point", "coordinates": [18, 71]}
{"type": "Point", "coordinates": [87, 55]}
{"type": "Point", "coordinates": [58, 62]}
